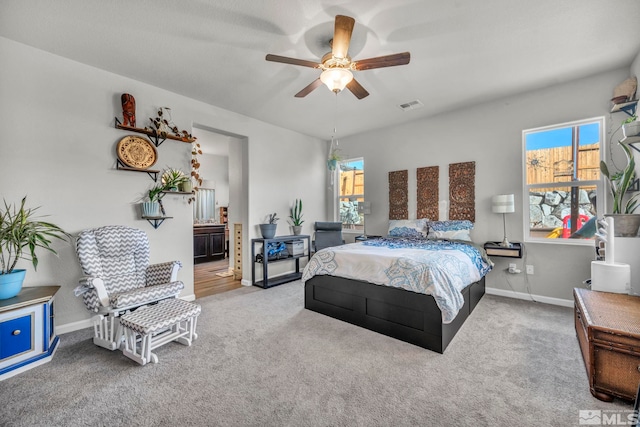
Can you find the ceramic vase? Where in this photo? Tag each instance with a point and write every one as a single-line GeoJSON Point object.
{"type": "Point", "coordinates": [150, 209]}
{"type": "Point", "coordinates": [11, 283]}
{"type": "Point", "coordinates": [268, 230]}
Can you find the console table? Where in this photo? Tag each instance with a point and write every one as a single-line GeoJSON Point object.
{"type": "Point", "coordinates": [27, 330]}
{"type": "Point", "coordinates": [608, 330]}
{"type": "Point", "coordinates": [266, 282]}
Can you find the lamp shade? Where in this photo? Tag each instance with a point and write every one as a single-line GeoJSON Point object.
{"type": "Point", "coordinates": [503, 203]}
{"type": "Point", "coordinates": [336, 79]}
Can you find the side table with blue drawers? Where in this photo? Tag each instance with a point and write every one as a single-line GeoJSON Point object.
{"type": "Point", "coordinates": [27, 331]}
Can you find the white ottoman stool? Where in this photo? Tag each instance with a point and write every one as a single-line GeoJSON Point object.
{"type": "Point", "coordinates": [169, 320]}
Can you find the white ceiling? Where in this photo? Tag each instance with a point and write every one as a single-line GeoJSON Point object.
{"type": "Point", "coordinates": [462, 51]}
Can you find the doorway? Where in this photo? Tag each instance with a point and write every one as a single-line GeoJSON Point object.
{"type": "Point", "coordinates": [215, 209]}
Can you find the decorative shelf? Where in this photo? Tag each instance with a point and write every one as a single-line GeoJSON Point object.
{"type": "Point", "coordinates": [151, 172]}
{"type": "Point", "coordinates": [155, 137]}
{"type": "Point", "coordinates": [156, 221]}
{"type": "Point", "coordinates": [630, 140]}
{"type": "Point", "coordinates": [183, 193]}
{"type": "Point", "coordinates": [628, 107]}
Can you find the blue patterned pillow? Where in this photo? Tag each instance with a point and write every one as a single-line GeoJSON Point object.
{"type": "Point", "coordinates": [408, 227]}
{"type": "Point", "coordinates": [452, 229]}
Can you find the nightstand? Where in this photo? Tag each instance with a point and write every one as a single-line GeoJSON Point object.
{"type": "Point", "coordinates": [494, 249]}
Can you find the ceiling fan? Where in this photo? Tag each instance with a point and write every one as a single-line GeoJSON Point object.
{"type": "Point", "coordinates": [337, 65]}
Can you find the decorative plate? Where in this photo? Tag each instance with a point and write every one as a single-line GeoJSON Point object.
{"type": "Point", "coordinates": [137, 152]}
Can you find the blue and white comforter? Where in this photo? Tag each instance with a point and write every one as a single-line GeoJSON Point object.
{"type": "Point", "coordinates": [441, 268]}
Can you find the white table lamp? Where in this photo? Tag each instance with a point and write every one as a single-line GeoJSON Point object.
{"type": "Point", "coordinates": [503, 204]}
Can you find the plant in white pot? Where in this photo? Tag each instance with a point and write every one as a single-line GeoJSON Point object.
{"type": "Point", "coordinates": [268, 229]}
{"type": "Point", "coordinates": [296, 217]}
{"type": "Point", "coordinates": [173, 179]}
{"type": "Point", "coordinates": [631, 127]}
{"type": "Point", "coordinates": [151, 206]}
{"type": "Point", "coordinates": [20, 236]}
{"type": "Point", "coordinates": [626, 223]}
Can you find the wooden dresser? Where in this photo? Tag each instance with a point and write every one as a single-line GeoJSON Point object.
{"type": "Point", "coordinates": [608, 330]}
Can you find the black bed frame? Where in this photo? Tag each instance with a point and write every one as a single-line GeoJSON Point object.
{"type": "Point", "coordinates": [398, 313]}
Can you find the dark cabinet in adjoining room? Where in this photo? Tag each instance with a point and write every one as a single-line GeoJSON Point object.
{"type": "Point", "coordinates": [208, 243]}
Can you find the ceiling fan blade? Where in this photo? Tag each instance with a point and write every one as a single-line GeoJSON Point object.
{"type": "Point", "coordinates": [342, 36]}
{"type": "Point", "coordinates": [357, 89]}
{"type": "Point", "coordinates": [307, 90]}
{"type": "Point", "coordinates": [383, 61]}
{"type": "Point", "coordinates": [293, 61]}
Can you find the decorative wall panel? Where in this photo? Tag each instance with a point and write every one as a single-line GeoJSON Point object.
{"type": "Point", "coordinates": [398, 195]}
{"type": "Point", "coordinates": [462, 191]}
{"type": "Point", "coordinates": [428, 193]}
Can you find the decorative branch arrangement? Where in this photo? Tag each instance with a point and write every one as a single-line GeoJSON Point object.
{"type": "Point", "coordinates": [162, 125]}
{"type": "Point", "coordinates": [195, 169]}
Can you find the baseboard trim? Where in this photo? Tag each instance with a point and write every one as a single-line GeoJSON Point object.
{"type": "Point", "coordinates": [88, 323]}
{"type": "Point", "coordinates": [245, 282]}
{"type": "Point", "coordinates": [73, 326]}
{"type": "Point", "coordinates": [527, 297]}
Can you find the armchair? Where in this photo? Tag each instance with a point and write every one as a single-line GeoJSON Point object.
{"type": "Point", "coordinates": [118, 278]}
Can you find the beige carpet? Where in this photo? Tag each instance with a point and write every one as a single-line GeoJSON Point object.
{"type": "Point", "coordinates": [261, 359]}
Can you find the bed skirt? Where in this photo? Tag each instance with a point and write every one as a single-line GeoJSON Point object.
{"type": "Point", "coordinates": [398, 313]}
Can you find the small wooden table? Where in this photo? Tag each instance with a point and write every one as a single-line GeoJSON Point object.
{"type": "Point", "coordinates": [608, 330]}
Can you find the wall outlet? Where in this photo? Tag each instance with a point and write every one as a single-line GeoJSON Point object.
{"type": "Point", "coordinates": [529, 269]}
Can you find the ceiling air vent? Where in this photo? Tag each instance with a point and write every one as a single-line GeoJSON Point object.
{"type": "Point", "coordinates": [413, 105]}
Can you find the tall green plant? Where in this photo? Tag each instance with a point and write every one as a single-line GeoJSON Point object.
{"type": "Point", "coordinates": [21, 235]}
{"type": "Point", "coordinates": [296, 213]}
{"type": "Point", "coordinates": [620, 182]}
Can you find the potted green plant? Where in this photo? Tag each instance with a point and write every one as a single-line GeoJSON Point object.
{"type": "Point", "coordinates": [626, 223]}
{"type": "Point", "coordinates": [21, 234]}
{"type": "Point", "coordinates": [173, 179]}
{"type": "Point", "coordinates": [268, 229]}
{"type": "Point", "coordinates": [334, 158]}
{"type": "Point", "coordinates": [151, 206]}
{"type": "Point", "coordinates": [631, 126]}
{"type": "Point", "coordinates": [296, 217]}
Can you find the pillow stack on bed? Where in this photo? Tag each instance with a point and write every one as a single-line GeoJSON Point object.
{"type": "Point", "coordinates": [450, 230]}
{"type": "Point", "coordinates": [408, 227]}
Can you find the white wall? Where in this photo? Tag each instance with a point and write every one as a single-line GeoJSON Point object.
{"type": "Point", "coordinates": [635, 69]}
{"type": "Point", "coordinates": [491, 135]}
{"type": "Point", "coordinates": [58, 147]}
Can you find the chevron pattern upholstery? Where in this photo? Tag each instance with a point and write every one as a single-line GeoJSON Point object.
{"type": "Point", "coordinates": [159, 317]}
{"type": "Point", "coordinates": [119, 256]}
{"type": "Point", "coordinates": [145, 295]}
{"type": "Point", "coordinates": [118, 277]}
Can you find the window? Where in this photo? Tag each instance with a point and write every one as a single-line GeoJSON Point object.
{"type": "Point", "coordinates": [351, 194]}
{"type": "Point", "coordinates": [562, 181]}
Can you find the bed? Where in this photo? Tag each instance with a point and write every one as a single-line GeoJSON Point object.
{"type": "Point", "coordinates": [413, 289]}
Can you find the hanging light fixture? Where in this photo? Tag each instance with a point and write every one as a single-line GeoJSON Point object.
{"type": "Point", "coordinates": [336, 78]}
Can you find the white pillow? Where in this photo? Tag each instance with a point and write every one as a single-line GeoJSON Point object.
{"type": "Point", "coordinates": [453, 230]}
{"type": "Point", "coordinates": [408, 227]}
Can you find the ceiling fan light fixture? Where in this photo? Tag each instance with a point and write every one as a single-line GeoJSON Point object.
{"type": "Point", "coordinates": [336, 79]}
